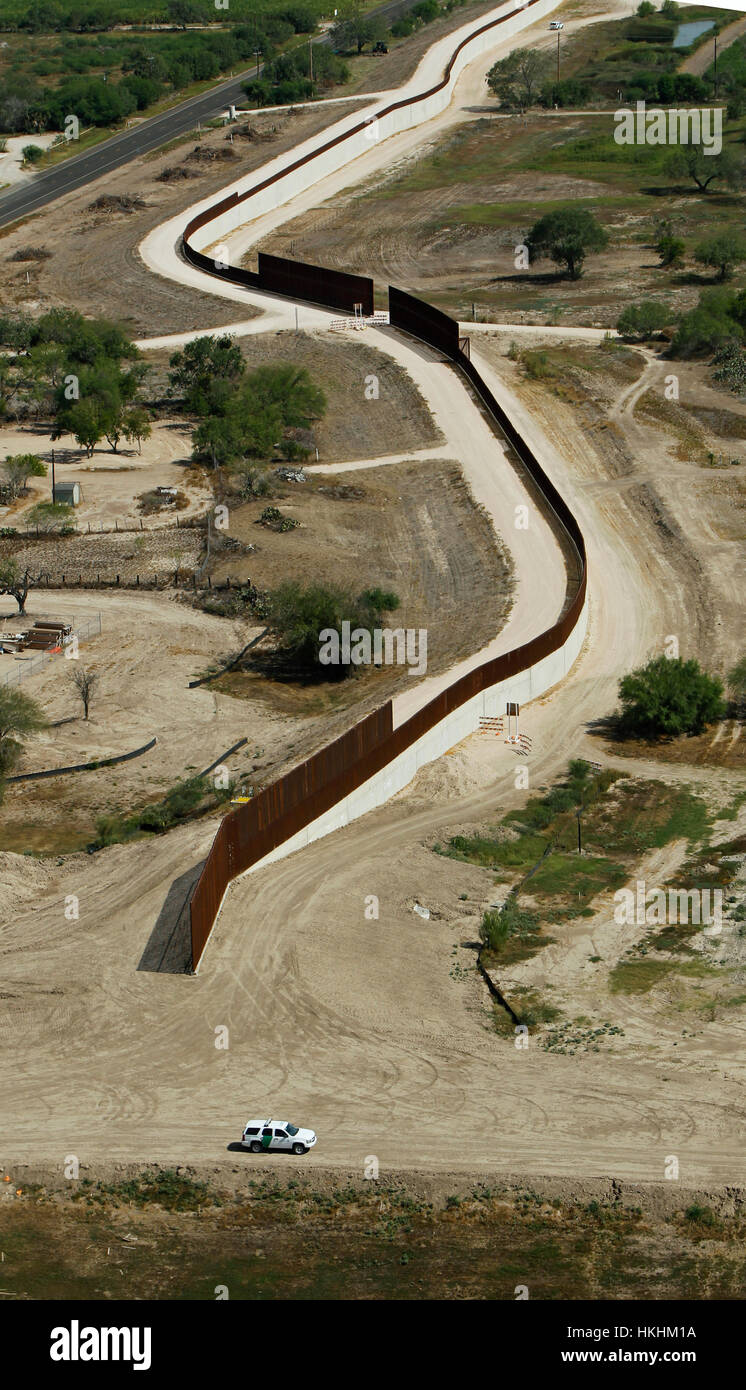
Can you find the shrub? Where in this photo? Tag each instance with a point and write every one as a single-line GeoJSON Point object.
{"type": "Point", "coordinates": [495, 929]}
{"type": "Point", "coordinates": [668, 697]}
{"type": "Point", "coordinates": [671, 249]}
{"type": "Point", "coordinates": [272, 518]}
{"type": "Point", "coordinates": [297, 616]}
{"type": "Point", "coordinates": [643, 320]}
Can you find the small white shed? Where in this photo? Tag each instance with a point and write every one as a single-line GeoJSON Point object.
{"type": "Point", "coordinates": [69, 493]}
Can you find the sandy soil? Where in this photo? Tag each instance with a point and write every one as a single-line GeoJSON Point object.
{"type": "Point", "coordinates": [304, 982]}
{"type": "Point", "coordinates": [11, 159]}
{"type": "Point", "coordinates": [82, 239]}
{"type": "Point", "coordinates": [110, 483]}
{"type": "Point", "coordinates": [149, 648]}
{"type": "Point", "coordinates": [295, 970]}
{"type": "Point", "coordinates": [430, 544]}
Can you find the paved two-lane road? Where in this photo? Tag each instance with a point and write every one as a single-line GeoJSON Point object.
{"type": "Point", "coordinates": [21, 201]}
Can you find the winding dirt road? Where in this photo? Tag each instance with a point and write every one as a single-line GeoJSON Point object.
{"type": "Point", "coordinates": [359, 1027]}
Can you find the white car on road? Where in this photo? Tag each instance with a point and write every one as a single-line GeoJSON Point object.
{"type": "Point", "coordinates": [277, 1135]}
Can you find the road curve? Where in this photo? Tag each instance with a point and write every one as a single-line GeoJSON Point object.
{"type": "Point", "coordinates": [357, 1027]}
{"type": "Point", "coordinates": [42, 189]}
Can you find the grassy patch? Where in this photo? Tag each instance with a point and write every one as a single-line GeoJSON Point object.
{"type": "Point", "coordinates": [164, 1188]}
{"type": "Point", "coordinates": [375, 1241]}
{"type": "Point", "coordinates": [531, 1010]}
{"type": "Point", "coordinates": [638, 976]}
{"type": "Point", "coordinates": [644, 815]}
{"type": "Point", "coordinates": [194, 796]}
{"type": "Point", "coordinates": [578, 877]}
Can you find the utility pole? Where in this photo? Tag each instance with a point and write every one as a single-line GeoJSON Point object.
{"type": "Point", "coordinates": [310, 59]}
{"type": "Point", "coordinates": [716, 67]}
{"type": "Point", "coordinates": [559, 36]}
{"type": "Point", "coordinates": [53, 496]}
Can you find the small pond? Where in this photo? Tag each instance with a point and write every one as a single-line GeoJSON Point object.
{"type": "Point", "coordinates": [687, 33]}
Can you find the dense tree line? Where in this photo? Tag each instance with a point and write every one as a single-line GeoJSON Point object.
{"type": "Point", "coordinates": [84, 374]}
{"type": "Point", "coordinates": [287, 79]}
{"type": "Point", "coordinates": [99, 16]}
{"type": "Point", "coordinates": [242, 415]}
{"type": "Point", "coordinates": [140, 71]}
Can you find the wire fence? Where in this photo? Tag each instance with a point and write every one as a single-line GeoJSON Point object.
{"type": "Point", "coordinates": [26, 666]}
{"type": "Point", "coordinates": [180, 579]}
{"type": "Point", "coordinates": [83, 528]}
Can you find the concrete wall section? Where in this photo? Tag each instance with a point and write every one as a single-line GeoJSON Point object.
{"type": "Point", "coordinates": [382, 122]}
{"type": "Point", "coordinates": [522, 688]}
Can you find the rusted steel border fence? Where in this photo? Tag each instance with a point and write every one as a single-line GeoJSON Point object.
{"type": "Point", "coordinates": [322, 781]}
{"type": "Point", "coordinates": [341, 295]}
{"type": "Point", "coordinates": [316, 785]}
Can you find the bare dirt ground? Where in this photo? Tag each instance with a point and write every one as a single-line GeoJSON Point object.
{"type": "Point", "coordinates": [149, 648]}
{"type": "Point", "coordinates": [426, 540]}
{"type": "Point", "coordinates": [294, 950]}
{"type": "Point", "coordinates": [364, 1028]}
{"type": "Point", "coordinates": [111, 483]}
{"type": "Point", "coordinates": [82, 238]}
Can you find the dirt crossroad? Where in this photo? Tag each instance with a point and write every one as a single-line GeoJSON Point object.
{"type": "Point", "coordinates": [357, 1027]}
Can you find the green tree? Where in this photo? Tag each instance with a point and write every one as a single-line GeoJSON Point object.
{"type": "Point", "coordinates": [693, 162]}
{"type": "Point", "coordinates": [567, 237]}
{"type": "Point", "coordinates": [247, 429]}
{"type": "Point", "coordinates": [298, 614]}
{"type": "Point", "coordinates": [643, 320]}
{"type": "Point", "coordinates": [86, 341]}
{"type": "Point", "coordinates": [290, 390]}
{"type": "Point", "coordinates": [517, 80]}
{"type": "Point", "coordinates": [80, 419]}
{"type": "Point", "coordinates": [106, 392]}
{"type": "Point", "coordinates": [354, 29]}
{"type": "Point", "coordinates": [136, 426]}
{"type": "Point", "coordinates": [671, 250]}
{"type": "Point", "coordinates": [722, 252]}
{"type": "Point", "coordinates": [205, 371]}
{"type": "Point", "coordinates": [20, 716]}
{"type": "Point", "coordinates": [18, 468]}
{"type": "Point", "coordinates": [247, 421]}
{"type": "Point", "coordinates": [668, 697]}
{"type": "Point", "coordinates": [184, 12]}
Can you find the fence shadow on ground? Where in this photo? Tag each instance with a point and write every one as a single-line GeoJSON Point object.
{"type": "Point", "coordinates": [169, 946]}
